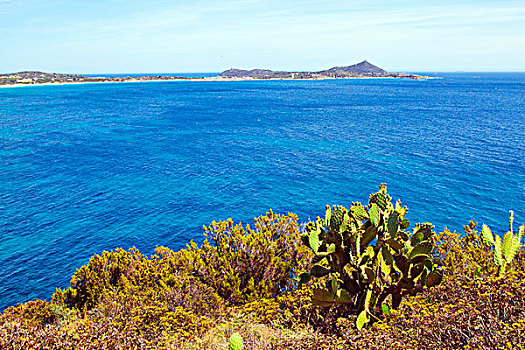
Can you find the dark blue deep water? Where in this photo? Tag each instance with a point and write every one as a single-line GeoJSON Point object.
{"type": "Point", "coordinates": [87, 168]}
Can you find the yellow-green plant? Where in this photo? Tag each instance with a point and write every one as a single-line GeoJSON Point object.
{"type": "Point", "coordinates": [244, 263]}
{"type": "Point", "coordinates": [365, 254]}
{"type": "Point", "coordinates": [503, 251]}
{"type": "Point", "coordinates": [235, 342]}
{"type": "Point", "coordinates": [463, 254]}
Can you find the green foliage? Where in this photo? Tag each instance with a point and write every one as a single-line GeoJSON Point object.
{"type": "Point", "coordinates": [240, 264]}
{"type": "Point", "coordinates": [365, 254]}
{"type": "Point", "coordinates": [235, 342]}
{"type": "Point", "coordinates": [35, 313]}
{"type": "Point", "coordinates": [463, 254]}
{"type": "Point", "coordinates": [503, 251]}
{"type": "Point", "coordinates": [242, 280]}
{"type": "Point", "coordinates": [247, 263]}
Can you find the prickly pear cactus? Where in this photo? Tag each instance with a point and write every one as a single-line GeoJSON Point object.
{"type": "Point", "coordinates": [503, 251]}
{"type": "Point", "coordinates": [235, 342]}
{"type": "Point", "coordinates": [365, 254]}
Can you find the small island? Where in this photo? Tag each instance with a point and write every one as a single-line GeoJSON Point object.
{"type": "Point", "coordinates": [360, 70]}
{"type": "Point", "coordinates": [357, 71]}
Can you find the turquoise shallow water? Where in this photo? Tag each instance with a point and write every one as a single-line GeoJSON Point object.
{"type": "Point", "coordinates": [87, 168]}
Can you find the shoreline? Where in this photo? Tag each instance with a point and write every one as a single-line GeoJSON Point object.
{"type": "Point", "coordinates": [202, 79]}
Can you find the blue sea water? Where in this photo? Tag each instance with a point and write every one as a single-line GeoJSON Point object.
{"type": "Point", "coordinates": [87, 168]}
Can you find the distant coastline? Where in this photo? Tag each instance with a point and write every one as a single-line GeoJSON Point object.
{"type": "Point", "coordinates": [362, 70]}
{"type": "Point", "coordinates": [178, 79]}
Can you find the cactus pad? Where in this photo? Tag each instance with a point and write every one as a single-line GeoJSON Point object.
{"type": "Point", "coordinates": [235, 342]}
{"type": "Point", "coordinates": [422, 249]}
{"type": "Point", "coordinates": [486, 236]}
{"type": "Point", "coordinates": [322, 297]}
{"type": "Point", "coordinates": [434, 278]}
{"type": "Point", "coordinates": [362, 319]}
{"type": "Point", "coordinates": [358, 211]}
{"type": "Point", "coordinates": [504, 251]}
{"type": "Point", "coordinates": [313, 240]}
{"type": "Point", "coordinates": [380, 199]}
{"type": "Point", "coordinates": [498, 258]}
{"type": "Point", "coordinates": [393, 224]}
{"type": "Point", "coordinates": [508, 247]}
{"type": "Point", "coordinates": [374, 214]}
{"type": "Point", "coordinates": [319, 271]}
{"type": "Point", "coordinates": [336, 220]}
{"type": "Point", "coordinates": [304, 277]}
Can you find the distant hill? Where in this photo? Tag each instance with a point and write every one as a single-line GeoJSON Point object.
{"type": "Point", "coordinates": [362, 69]}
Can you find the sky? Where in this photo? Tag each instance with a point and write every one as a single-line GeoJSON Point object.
{"type": "Point", "coordinates": [130, 36]}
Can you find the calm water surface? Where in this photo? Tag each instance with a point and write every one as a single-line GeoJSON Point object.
{"type": "Point", "coordinates": [87, 168]}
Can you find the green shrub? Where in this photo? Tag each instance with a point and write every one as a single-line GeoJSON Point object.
{"type": "Point", "coordinates": [245, 263]}
{"type": "Point", "coordinates": [463, 254]}
{"type": "Point", "coordinates": [116, 270]}
{"type": "Point", "coordinates": [239, 263]}
{"type": "Point", "coordinates": [37, 313]}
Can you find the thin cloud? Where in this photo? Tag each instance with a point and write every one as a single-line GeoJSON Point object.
{"type": "Point", "coordinates": [270, 32]}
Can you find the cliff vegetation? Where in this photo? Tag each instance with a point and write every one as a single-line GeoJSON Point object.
{"type": "Point", "coordinates": [360, 277]}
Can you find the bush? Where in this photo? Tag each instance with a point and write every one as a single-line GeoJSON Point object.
{"type": "Point", "coordinates": [36, 313]}
{"type": "Point", "coordinates": [244, 263]}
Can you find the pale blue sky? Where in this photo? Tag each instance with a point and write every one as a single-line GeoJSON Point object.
{"type": "Point", "coordinates": [118, 36]}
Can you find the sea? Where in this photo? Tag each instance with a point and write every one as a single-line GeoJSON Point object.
{"type": "Point", "coordinates": [92, 167]}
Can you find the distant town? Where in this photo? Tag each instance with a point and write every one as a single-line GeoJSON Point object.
{"type": "Point", "coordinates": [360, 70]}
